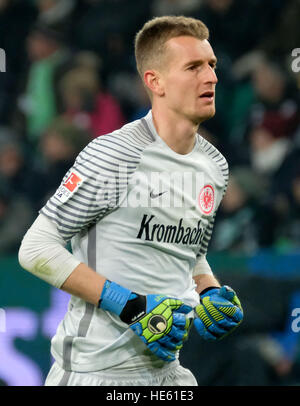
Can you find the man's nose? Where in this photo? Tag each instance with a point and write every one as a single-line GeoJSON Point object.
{"type": "Point", "coordinates": [210, 75]}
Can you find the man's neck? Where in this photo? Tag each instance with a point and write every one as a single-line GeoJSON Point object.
{"type": "Point", "coordinates": [177, 132]}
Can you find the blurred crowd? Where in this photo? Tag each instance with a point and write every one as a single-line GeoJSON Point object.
{"type": "Point", "coordinates": [70, 76]}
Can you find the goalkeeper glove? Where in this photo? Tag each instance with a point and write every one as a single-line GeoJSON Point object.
{"type": "Point", "coordinates": [159, 321]}
{"type": "Point", "coordinates": [218, 314]}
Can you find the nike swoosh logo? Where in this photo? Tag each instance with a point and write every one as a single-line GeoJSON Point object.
{"type": "Point", "coordinates": [154, 195]}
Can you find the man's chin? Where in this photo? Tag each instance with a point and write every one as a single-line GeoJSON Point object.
{"type": "Point", "coordinates": [204, 116]}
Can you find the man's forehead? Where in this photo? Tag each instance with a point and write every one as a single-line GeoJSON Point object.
{"type": "Point", "coordinates": [190, 47]}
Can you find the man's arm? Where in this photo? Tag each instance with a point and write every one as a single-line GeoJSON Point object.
{"type": "Point", "coordinates": [85, 283]}
{"type": "Point", "coordinates": [204, 281]}
{"type": "Point", "coordinates": [203, 275]}
{"type": "Point", "coordinates": [43, 253]}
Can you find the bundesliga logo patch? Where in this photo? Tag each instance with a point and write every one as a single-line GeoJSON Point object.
{"type": "Point", "coordinates": [66, 190]}
{"type": "Point", "coordinates": [72, 182]}
{"type": "Point", "coordinates": [206, 199]}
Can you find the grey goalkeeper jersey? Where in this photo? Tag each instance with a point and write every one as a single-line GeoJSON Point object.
{"type": "Point", "coordinates": [141, 215]}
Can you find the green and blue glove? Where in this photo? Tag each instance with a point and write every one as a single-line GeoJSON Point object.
{"type": "Point", "coordinates": [159, 321]}
{"type": "Point", "coordinates": [218, 314]}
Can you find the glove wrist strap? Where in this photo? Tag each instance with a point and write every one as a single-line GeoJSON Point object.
{"type": "Point", "coordinates": [208, 289]}
{"type": "Point", "coordinates": [114, 297]}
{"type": "Point", "coordinates": [134, 309]}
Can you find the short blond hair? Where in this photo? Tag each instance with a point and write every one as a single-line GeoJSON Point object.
{"type": "Point", "coordinates": [150, 41]}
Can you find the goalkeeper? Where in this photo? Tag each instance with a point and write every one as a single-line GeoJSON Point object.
{"type": "Point", "coordinates": [138, 207]}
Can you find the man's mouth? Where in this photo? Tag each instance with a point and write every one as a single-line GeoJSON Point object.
{"type": "Point", "coordinates": [209, 95]}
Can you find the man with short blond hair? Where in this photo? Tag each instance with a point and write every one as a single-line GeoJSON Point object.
{"type": "Point", "coordinates": [150, 41]}
{"type": "Point", "coordinates": [139, 206]}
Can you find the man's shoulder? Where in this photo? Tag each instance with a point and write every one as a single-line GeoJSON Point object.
{"type": "Point", "coordinates": [134, 134]}
{"type": "Point", "coordinates": [120, 147]}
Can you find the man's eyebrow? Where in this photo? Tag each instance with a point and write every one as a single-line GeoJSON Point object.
{"type": "Point", "coordinates": [212, 60]}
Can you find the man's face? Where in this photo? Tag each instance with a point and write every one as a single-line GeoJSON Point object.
{"type": "Point", "coordinates": [189, 78]}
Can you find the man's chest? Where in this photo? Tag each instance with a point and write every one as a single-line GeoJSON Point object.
{"type": "Point", "coordinates": [170, 200]}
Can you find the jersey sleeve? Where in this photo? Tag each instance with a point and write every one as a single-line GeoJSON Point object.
{"type": "Point", "coordinates": [202, 267]}
{"type": "Point", "coordinates": [222, 168]}
{"type": "Point", "coordinates": [91, 188]}
{"type": "Point", "coordinates": [206, 237]}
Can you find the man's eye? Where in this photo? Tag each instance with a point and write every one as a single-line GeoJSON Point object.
{"type": "Point", "coordinates": [193, 67]}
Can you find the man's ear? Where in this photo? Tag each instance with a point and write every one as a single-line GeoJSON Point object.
{"type": "Point", "coordinates": [154, 82]}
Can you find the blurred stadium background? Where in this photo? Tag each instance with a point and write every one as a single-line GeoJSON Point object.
{"type": "Point", "coordinates": [69, 77]}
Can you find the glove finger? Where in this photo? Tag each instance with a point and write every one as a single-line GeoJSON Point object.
{"type": "Point", "coordinates": [231, 312]}
{"type": "Point", "coordinates": [219, 311]}
{"type": "Point", "coordinates": [183, 322]}
{"type": "Point", "coordinates": [227, 324]}
{"type": "Point", "coordinates": [211, 317]}
{"type": "Point", "coordinates": [216, 322]}
{"type": "Point", "coordinates": [202, 330]}
{"type": "Point", "coordinates": [180, 321]}
{"type": "Point", "coordinates": [168, 343]}
{"type": "Point", "coordinates": [179, 306]}
{"type": "Point", "coordinates": [238, 315]}
{"type": "Point", "coordinates": [177, 334]}
{"type": "Point", "coordinates": [217, 330]}
{"type": "Point", "coordinates": [161, 352]}
{"type": "Point", "coordinates": [184, 309]}
{"type": "Point", "coordinates": [229, 294]}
